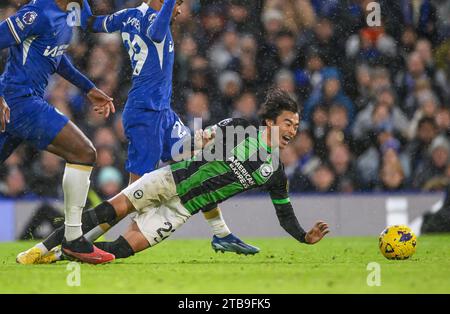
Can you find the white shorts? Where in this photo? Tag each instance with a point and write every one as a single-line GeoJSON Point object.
{"type": "Point", "coordinates": [158, 223]}
{"type": "Point", "coordinates": [152, 190]}
{"type": "Point", "coordinates": [160, 211]}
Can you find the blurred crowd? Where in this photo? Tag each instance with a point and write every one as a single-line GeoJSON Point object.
{"type": "Point", "coordinates": [374, 100]}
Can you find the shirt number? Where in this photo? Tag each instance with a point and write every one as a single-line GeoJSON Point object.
{"type": "Point", "coordinates": [138, 51]}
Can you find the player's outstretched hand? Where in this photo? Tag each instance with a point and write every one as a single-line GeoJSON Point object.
{"type": "Point", "coordinates": [4, 114]}
{"type": "Point", "coordinates": [103, 104]}
{"type": "Point", "coordinates": [317, 232]}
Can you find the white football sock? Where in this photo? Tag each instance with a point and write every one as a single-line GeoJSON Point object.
{"type": "Point", "coordinates": [76, 187]}
{"type": "Point", "coordinates": [97, 232]}
{"type": "Point", "coordinates": [218, 225]}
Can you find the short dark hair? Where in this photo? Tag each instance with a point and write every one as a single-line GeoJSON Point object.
{"type": "Point", "coordinates": [276, 102]}
{"type": "Point", "coordinates": [427, 120]}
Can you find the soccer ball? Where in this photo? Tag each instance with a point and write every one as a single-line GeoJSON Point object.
{"type": "Point", "coordinates": [397, 242]}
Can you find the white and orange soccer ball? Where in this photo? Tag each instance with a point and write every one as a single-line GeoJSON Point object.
{"type": "Point", "coordinates": [397, 242]}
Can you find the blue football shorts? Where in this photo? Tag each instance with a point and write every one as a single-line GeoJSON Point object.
{"type": "Point", "coordinates": [32, 120]}
{"type": "Point", "coordinates": [152, 136]}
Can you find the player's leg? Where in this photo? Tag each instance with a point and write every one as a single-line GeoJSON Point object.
{"type": "Point", "coordinates": [80, 155]}
{"type": "Point", "coordinates": [153, 225]}
{"type": "Point", "coordinates": [149, 229]}
{"type": "Point", "coordinates": [144, 130]}
{"type": "Point", "coordinates": [127, 245]}
{"type": "Point", "coordinates": [8, 143]}
{"type": "Point", "coordinates": [149, 191]}
{"type": "Point", "coordinates": [47, 129]}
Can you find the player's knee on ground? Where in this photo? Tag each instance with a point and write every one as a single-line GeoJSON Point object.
{"type": "Point", "coordinates": [120, 248]}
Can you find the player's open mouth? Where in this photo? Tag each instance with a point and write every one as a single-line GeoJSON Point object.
{"type": "Point", "coordinates": [286, 139]}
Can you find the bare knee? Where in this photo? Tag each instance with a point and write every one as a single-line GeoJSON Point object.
{"type": "Point", "coordinates": [122, 205]}
{"type": "Point", "coordinates": [136, 239]}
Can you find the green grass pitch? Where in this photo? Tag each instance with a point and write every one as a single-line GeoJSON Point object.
{"type": "Point", "coordinates": [336, 265]}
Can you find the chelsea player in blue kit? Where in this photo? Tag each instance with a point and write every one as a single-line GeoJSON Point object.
{"type": "Point", "coordinates": [38, 36]}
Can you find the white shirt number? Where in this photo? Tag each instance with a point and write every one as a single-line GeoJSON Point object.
{"type": "Point", "coordinates": [138, 51]}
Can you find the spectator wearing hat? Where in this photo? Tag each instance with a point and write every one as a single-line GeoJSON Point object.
{"type": "Point", "coordinates": [109, 182]}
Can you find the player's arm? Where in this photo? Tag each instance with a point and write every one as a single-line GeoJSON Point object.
{"type": "Point", "coordinates": [7, 38]}
{"type": "Point", "coordinates": [159, 25]}
{"type": "Point", "coordinates": [71, 74]}
{"type": "Point", "coordinates": [15, 29]}
{"type": "Point", "coordinates": [287, 218]}
{"type": "Point", "coordinates": [103, 104]}
{"type": "Point", "coordinates": [4, 111]}
{"type": "Point", "coordinates": [217, 132]}
{"type": "Point", "coordinates": [106, 23]}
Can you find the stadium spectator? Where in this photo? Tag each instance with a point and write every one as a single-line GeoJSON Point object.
{"type": "Point", "coordinates": [14, 186]}
{"type": "Point", "coordinates": [47, 175]}
{"type": "Point", "coordinates": [304, 148]}
{"type": "Point", "coordinates": [392, 175]}
{"type": "Point", "coordinates": [110, 181]}
{"type": "Point", "coordinates": [347, 178]}
{"type": "Point", "coordinates": [417, 149]}
{"type": "Point", "coordinates": [323, 179]}
{"type": "Point", "coordinates": [246, 107]}
{"type": "Point", "coordinates": [435, 164]}
{"type": "Point", "coordinates": [331, 93]}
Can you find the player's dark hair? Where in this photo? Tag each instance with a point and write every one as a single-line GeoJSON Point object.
{"type": "Point", "coordinates": [276, 102]}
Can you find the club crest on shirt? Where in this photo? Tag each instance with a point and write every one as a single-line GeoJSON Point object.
{"type": "Point", "coordinates": [266, 170]}
{"type": "Point", "coordinates": [29, 17]}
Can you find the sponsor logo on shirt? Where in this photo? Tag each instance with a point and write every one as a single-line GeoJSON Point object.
{"type": "Point", "coordinates": [56, 51]}
{"type": "Point", "coordinates": [29, 17]}
{"type": "Point", "coordinates": [133, 22]}
{"type": "Point", "coordinates": [241, 173]}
